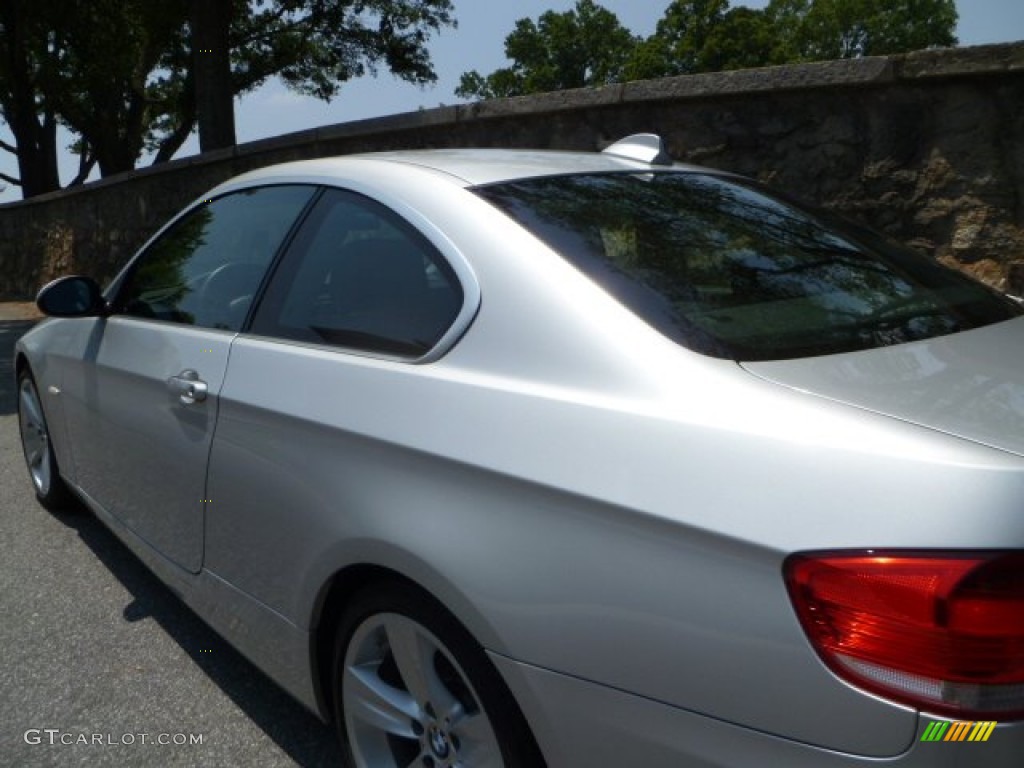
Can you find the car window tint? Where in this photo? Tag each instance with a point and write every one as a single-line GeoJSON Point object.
{"type": "Point", "coordinates": [727, 269]}
{"type": "Point", "coordinates": [360, 277]}
{"type": "Point", "coordinates": [206, 268]}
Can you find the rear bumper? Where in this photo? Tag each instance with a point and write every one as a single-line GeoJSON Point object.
{"type": "Point", "coordinates": [579, 723]}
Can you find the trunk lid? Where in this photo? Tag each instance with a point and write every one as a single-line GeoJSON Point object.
{"type": "Point", "coordinates": [968, 384]}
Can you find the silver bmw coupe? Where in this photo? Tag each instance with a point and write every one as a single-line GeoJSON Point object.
{"type": "Point", "coordinates": [517, 458]}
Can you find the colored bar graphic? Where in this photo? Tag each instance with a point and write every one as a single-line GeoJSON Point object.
{"type": "Point", "coordinates": [982, 731]}
{"type": "Point", "coordinates": [959, 730]}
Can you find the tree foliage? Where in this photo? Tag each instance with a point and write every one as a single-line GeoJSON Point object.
{"type": "Point", "coordinates": [744, 38]}
{"type": "Point", "coordinates": [679, 45]}
{"type": "Point", "coordinates": [841, 29]}
{"type": "Point", "coordinates": [122, 75]}
{"type": "Point", "coordinates": [705, 36]}
{"type": "Point", "coordinates": [109, 50]}
{"type": "Point", "coordinates": [28, 65]}
{"type": "Point", "coordinates": [583, 46]}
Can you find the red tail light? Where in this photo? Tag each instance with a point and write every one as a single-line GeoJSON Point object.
{"type": "Point", "coordinates": [939, 631]}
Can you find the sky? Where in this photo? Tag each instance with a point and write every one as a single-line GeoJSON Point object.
{"type": "Point", "coordinates": [478, 43]}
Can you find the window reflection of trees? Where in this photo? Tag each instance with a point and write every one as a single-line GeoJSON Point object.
{"type": "Point", "coordinates": [160, 286]}
{"type": "Point", "coordinates": [734, 272]}
{"type": "Point", "coordinates": [208, 264]}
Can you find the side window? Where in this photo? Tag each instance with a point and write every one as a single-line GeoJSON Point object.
{"type": "Point", "coordinates": [360, 277]}
{"type": "Point", "coordinates": [206, 268]}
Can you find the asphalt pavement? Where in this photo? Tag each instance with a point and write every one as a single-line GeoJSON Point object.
{"type": "Point", "coordinates": [101, 665]}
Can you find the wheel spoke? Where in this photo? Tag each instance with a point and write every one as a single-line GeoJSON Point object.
{"type": "Point", "coordinates": [30, 407]}
{"type": "Point", "coordinates": [35, 453]}
{"type": "Point", "coordinates": [478, 745]}
{"type": "Point", "coordinates": [42, 476]}
{"type": "Point", "coordinates": [414, 656]}
{"type": "Point", "coordinates": [30, 437]}
{"type": "Point", "coordinates": [371, 700]}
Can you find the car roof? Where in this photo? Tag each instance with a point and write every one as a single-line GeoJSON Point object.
{"type": "Point", "coordinates": [470, 167]}
{"type": "Point", "coordinates": [486, 166]}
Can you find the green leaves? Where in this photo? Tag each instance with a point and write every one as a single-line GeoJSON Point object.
{"type": "Point", "coordinates": [685, 31]}
{"type": "Point", "coordinates": [816, 30]}
{"type": "Point", "coordinates": [588, 46]}
{"type": "Point", "coordinates": [580, 47]}
{"type": "Point", "coordinates": [120, 74]}
{"type": "Point", "coordinates": [317, 45]}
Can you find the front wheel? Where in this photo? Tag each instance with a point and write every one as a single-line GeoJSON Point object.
{"type": "Point", "coordinates": [35, 443]}
{"type": "Point", "coordinates": [412, 688]}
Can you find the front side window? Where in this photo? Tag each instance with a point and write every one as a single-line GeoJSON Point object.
{"type": "Point", "coordinates": [726, 269]}
{"type": "Point", "coordinates": [206, 268]}
{"type": "Point", "coordinates": [361, 278]}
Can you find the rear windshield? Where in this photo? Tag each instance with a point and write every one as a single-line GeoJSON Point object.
{"type": "Point", "coordinates": [725, 268]}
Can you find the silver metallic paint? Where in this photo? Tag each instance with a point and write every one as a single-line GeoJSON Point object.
{"type": "Point", "coordinates": [969, 384]}
{"type": "Point", "coordinates": [606, 513]}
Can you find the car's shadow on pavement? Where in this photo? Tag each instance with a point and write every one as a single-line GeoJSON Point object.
{"type": "Point", "coordinates": [10, 332]}
{"type": "Point", "coordinates": [303, 737]}
{"type": "Point", "coordinates": [306, 740]}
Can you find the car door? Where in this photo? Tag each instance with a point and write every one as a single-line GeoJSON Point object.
{"type": "Point", "coordinates": [141, 409]}
{"type": "Point", "coordinates": [360, 296]}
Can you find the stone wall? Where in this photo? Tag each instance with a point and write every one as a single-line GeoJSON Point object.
{"type": "Point", "coordinates": [928, 147]}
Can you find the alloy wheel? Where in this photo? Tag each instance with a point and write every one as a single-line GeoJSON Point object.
{"type": "Point", "coordinates": [35, 439]}
{"type": "Point", "coordinates": [408, 702]}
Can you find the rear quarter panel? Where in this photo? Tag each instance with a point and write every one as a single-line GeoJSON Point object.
{"type": "Point", "coordinates": [585, 496]}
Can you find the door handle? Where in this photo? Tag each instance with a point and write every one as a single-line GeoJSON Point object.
{"type": "Point", "coordinates": [188, 387]}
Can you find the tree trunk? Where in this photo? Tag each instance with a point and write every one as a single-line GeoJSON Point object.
{"type": "Point", "coordinates": [35, 134]}
{"type": "Point", "coordinates": [211, 63]}
{"type": "Point", "coordinates": [113, 153]}
{"type": "Point", "coordinates": [186, 112]}
{"type": "Point", "coordinates": [37, 154]}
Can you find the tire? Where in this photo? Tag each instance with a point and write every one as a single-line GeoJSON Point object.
{"type": "Point", "coordinates": [412, 688]}
{"type": "Point", "coordinates": [50, 488]}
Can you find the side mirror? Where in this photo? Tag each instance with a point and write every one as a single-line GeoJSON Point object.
{"type": "Point", "coordinates": [73, 296]}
